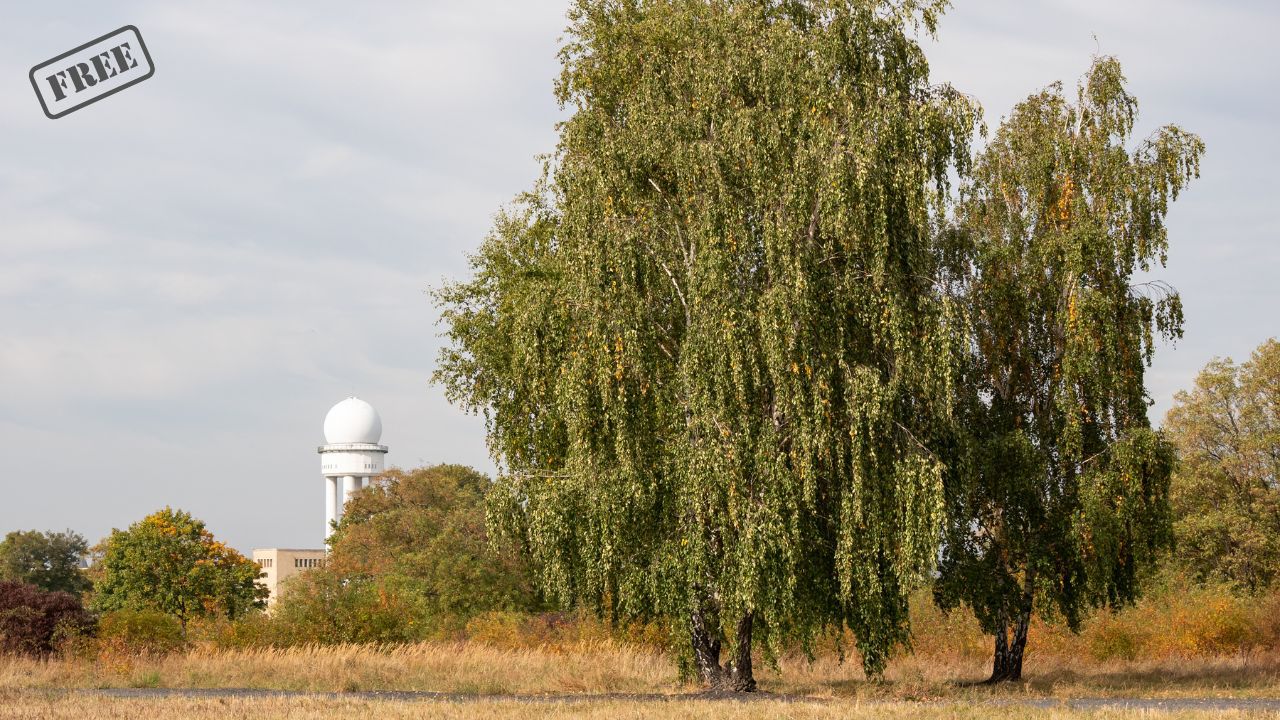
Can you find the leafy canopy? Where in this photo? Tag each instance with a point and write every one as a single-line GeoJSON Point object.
{"type": "Point", "coordinates": [410, 559]}
{"type": "Point", "coordinates": [1060, 493]}
{"type": "Point", "coordinates": [1226, 492]}
{"type": "Point", "coordinates": [48, 560]}
{"type": "Point", "coordinates": [169, 562]}
{"type": "Point", "coordinates": [708, 345]}
{"type": "Point", "coordinates": [427, 526]}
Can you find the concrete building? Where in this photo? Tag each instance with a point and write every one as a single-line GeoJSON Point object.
{"type": "Point", "coordinates": [280, 564]}
{"type": "Point", "coordinates": [349, 459]}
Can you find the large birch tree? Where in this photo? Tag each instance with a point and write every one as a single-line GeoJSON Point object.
{"type": "Point", "coordinates": [709, 345]}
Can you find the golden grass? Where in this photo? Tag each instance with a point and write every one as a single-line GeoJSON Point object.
{"type": "Point", "coordinates": [442, 667]}
{"type": "Point", "coordinates": [612, 667]}
{"type": "Point", "coordinates": [35, 705]}
{"type": "Point", "coordinates": [1184, 641]}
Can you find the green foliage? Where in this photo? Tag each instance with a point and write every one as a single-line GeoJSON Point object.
{"type": "Point", "coordinates": [32, 620]}
{"type": "Point", "coordinates": [321, 606]}
{"type": "Point", "coordinates": [169, 562]}
{"type": "Point", "coordinates": [1059, 490]}
{"type": "Point", "coordinates": [410, 559]}
{"type": "Point", "coordinates": [1226, 492]}
{"type": "Point", "coordinates": [708, 346]}
{"type": "Point", "coordinates": [140, 632]}
{"type": "Point", "coordinates": [425, 528]}
{"type": "Point", "coordinates": [48, 560]}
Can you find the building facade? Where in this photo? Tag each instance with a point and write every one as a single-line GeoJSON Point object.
{"type": "Point", "coordinates": [280, 564]}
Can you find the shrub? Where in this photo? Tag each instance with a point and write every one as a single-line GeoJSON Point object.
{"type": "Point", "coordinates": [32, 620]}
{"type": "Point", "coordinates": [252, 630]}
{"type": "Point", "coordinates": [323, 607]}
{"type": "Point", "coordinates": [139, 632]}
{"type": "Point", "coordinates": [558, 631]}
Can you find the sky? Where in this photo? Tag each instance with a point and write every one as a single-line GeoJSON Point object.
{"type": "Point", "coordinates": [193, 270]}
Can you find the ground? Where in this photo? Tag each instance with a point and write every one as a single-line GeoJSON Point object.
{"type": "Point", "coordinates": [94, 705]}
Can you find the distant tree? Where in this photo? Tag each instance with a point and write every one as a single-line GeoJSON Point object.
{"type": "Point", "coordinates": [1060, 497]}
{"type": "Point", "coordinates": [1226, 492]}
{"type": "Point", "coordinates": [425, 529]}
{"type": "Point", "coordinates": [48, 560]}
{"type": "Point", "coordinates": [169, 562]}
{"type": "Point", "coordinates": [30, 618]}
{"type": "Point", "coordinates": [709, 347]}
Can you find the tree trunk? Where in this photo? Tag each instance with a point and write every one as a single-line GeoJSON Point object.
{"type": "Point", "coordinates": [1000, 665]}
{"type": "Point", "coordinates": [706, 647]}
{"type": "Point", "coordinates": [1018, 644]}
{"type": "Point", "coordinates": [738, 675]}
{"type": "Point", "coordinates": [1011, 644]}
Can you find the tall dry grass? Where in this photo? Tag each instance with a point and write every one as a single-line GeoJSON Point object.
{"type": "Point", "coordinates": [1183, 639]}
{"type": "Point", "coordinates": [1177, 622]}
{"type": "Point", "coordinates": [33, 706]}
{"type": "Point", "coordinates": [442, 667]}
{"type": "Point", "coordinates": [611, 667]}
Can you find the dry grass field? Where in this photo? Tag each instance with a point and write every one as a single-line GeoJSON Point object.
{"type": "Point", "coordinates": [619, 668]}
{"type": "Point", "coordinates": [28, 705]}
{"type": "Point", "coordinates": [1181, 644]}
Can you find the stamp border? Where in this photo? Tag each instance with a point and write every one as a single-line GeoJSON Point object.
{"type": "Point", "coordinates": [145, 53]}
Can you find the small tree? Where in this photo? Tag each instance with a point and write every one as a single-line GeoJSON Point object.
{"type": "Point", "coordinates": [1226, 492]}
{"type": "Point", "coordinates": [425, 529]}
{"type": "Point", "coordinates": [709, 347]}
{"type": "Point", "coordinates": [31, 618]}
{"type": "Point", "coordinates": [48, 560]}
{"type": "Point", "coordinates": [169, 562]}
{"type": "Point", "coordinates": [1058, 495]}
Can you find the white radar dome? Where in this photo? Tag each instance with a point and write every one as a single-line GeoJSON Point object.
{"type": "Point", "coordinates": [352, 421]}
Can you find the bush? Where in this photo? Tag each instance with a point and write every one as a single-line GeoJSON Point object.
{"type": "Point", "coordinates": [322, 607]}
{"type": "Point", "coordinates": [1178, 618]}
{"type": "Point", "coordinates": [32, 620]}
{"type": "Point", "coordinates": [558, 631]}
{"type": "Point", "coordinates": [252, 630]}
{"type": "Point", "coordinates": [140, 632]}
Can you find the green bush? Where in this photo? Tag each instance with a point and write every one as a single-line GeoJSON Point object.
{"type": "Point", "coordinates": [140, 632]}
{"type": "Point", "coordinates": [323, 607]}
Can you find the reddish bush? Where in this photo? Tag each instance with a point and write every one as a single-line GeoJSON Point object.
{"type": "Point", "coordinates": [31, 618]}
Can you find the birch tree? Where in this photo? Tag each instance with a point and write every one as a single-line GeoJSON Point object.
{"type": "Point", "coordinates": [709, 346]}
{"type": "Point", "coordinates": [1060, 494]}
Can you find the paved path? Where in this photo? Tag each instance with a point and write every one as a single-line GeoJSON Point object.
{"type": "Point", "coordinates": [1080, 703]}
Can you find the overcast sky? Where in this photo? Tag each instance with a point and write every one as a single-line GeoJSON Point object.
{"type": "Point", "coordinates": [194, 270]}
